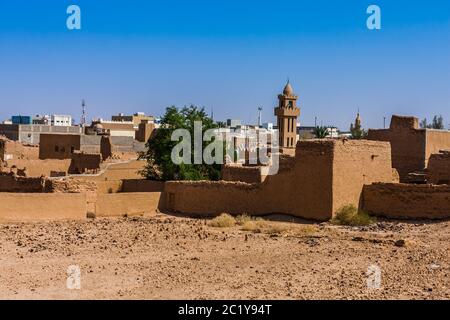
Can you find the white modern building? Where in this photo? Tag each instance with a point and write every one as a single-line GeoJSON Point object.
{"type": "Point", "coordinates": [61, 120]}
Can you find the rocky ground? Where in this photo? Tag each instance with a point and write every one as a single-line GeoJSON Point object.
{"type": "Point", "coordinates": [168, 257]}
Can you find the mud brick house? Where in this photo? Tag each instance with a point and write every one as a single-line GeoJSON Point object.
{"type": "Point", "coordinates": [411, 146]}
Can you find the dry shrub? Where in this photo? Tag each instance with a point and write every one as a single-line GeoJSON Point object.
{"type": "Point", "coordinates": [243, 219]}
{"type": "Point", "coordinates": [223, 221]}
{"type": "Point", "coordinates": [261, 226]}
{"type": "Point", "coordinates": [349, 215]}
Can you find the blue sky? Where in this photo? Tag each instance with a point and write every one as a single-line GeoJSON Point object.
{"type": "Point", "coordinates": [229, 55]}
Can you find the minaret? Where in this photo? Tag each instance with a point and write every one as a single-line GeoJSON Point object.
{"type": "Point", "coordinates": [358, 121]}
{"type": "Point", "coordinates": [287, 113]}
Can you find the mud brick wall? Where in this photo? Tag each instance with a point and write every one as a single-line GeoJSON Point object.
{"type": "Point", "coordinates": [84, 162]}
{"type": "Point", "coordinates": [14, 150]}
{"type": "Point", "coordinates": [241, 173]}
{"type": "Point", "coordinates": [313, 187]}
{"type": "Point", "coordinates": [58, 146]}
{"type": "Point", "coordinates": [23, 207]}
{"type": "Point", "coordinates": [141, 185]}
{"type": "Point", "coordinates": [70, 185]}
{"type": "Point", "coordinates": [120, 204]}
{"type": "Point", "coordinates": [11, 183]}
{"type": "Point", "coordinates": [438, 171]}
{"type": "Point", "coordinates": [411, 146]}
{"type": "Point", "coordinates": [408, 201]}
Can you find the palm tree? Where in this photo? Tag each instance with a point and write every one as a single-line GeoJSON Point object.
{"type": "Point", "coordinates": [321, 132]}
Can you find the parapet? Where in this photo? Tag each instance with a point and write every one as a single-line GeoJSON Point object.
{"type": "Point", "coordinates": [404, 122]}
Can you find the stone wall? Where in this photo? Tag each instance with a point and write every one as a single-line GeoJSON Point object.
{"type": "Point", "coordinates": [407, 201]}
{"type": "Point", "coordinates": [438, 171]}
{"type": "Point", "coordinates": [314, 187]}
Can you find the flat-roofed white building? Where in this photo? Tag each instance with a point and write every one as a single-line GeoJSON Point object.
{"type": "Point", "coordinates": [61, 120]}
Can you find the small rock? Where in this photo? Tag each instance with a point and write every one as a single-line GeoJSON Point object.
{"type": "Point", "coordinates": [91, 215]}
{"type": "Point", "coordinates": [400, 243]}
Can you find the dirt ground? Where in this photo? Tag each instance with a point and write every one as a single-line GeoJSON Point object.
{"type": "Point", "coordinates": [168, 257]}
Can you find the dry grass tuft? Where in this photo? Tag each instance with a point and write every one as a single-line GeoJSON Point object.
{"type": "Point", "coordinates": [261, 226]}
{"type": "Point", "coordinates": [243, 219]}
{"type": "Point", "coordinates": [349, 215]}
{"type": "Point", "coordinates": [223, 221]}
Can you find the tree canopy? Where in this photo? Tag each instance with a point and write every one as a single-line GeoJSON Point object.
{"type": "Point", "coordinates": [160, 165]}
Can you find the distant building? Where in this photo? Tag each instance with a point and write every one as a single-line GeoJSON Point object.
{"type": "Point", "coordinates": [234, 123]}
{"type": "Point", "coordinates": [41, 119]}
{"type": "Point", "coordinates": [115, 128]}
{"type": "Point", "coordinates": [268, 126]}
{"type": "Point", "coordinates": [60, 120]}
{"type": "Point", "coordinates": [305, 132]}
{"type": "Point", "coordinates": [136, 118]}
{"type": "Point", "coordinates": [30, 134]}
{"type": "Point", "coordinates": [333, 132]}
{"type": "Point", "coordinates": [21, 119]}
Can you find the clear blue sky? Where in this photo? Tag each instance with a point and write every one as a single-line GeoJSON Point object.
{"type": "Point", "coordinates": [230, 55]}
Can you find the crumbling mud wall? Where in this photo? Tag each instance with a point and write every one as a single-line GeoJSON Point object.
{"type": "Point", "coordinates": [12, 183]}
{"type": "Point", "coordinates": [37, 168]}
{"type": "Point", "coordinates": [436, 140]}
{"type": "Point", "coordinates": [23, 207]}
{"type": "Point", "coordinates": [85, 163]}
{"type": "Point", "coordinates": [70, 185]}
{"type": "Point", "coordinates": [106, 147]}
{"type": "Point", "coordinates": [411, 146]}
{"type": "Point", "coordinates": [407, 144]}
{"type": "Point", "coordinates": [438, 171]}
{"type": "Point", "coordinates": [121, 204]}
{"type": "Point", "coordinates": [408, 201]}
{"type": "Point", "coordinates": [312, 188]}
{"type": "Point", "coordinates": [14, 150]}
{"type": "Point", "coordinates": [241, 173]}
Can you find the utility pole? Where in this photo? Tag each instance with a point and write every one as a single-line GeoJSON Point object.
{"type": "Point", "coordinates": [83, 113]}
{"type": "Point", "coordinates": [259, 117]}
{"type": "Point", "coordinates": [384, 122]}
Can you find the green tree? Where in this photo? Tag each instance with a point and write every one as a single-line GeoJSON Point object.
{"type": "Point", "coordinates": [159, 148]}
{"type": "Point", "coordinates": [357, 132]}
{"type": "Point", "coordinates": [437, 123]}
{"type": "Point", "coordinates": [321, 132]}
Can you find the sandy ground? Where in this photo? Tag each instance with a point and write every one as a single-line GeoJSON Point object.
{"type": "Point", "coordinates": [167, 257]}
